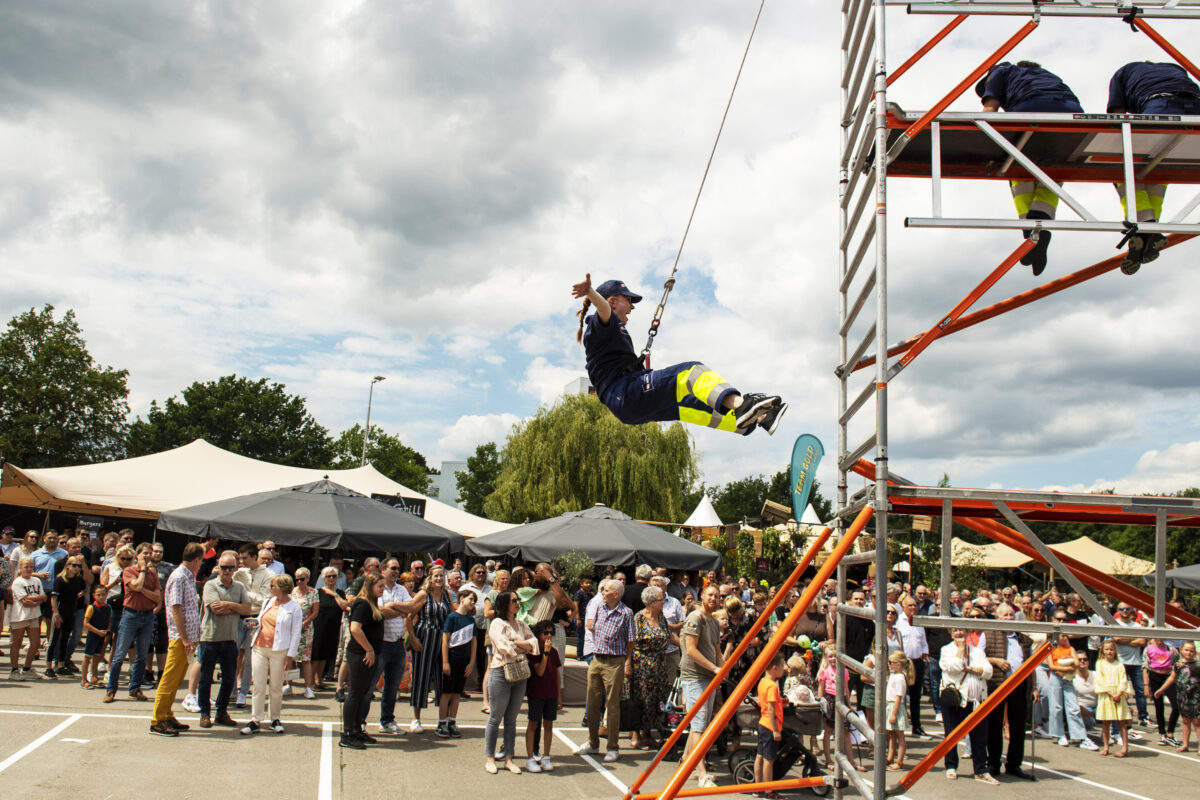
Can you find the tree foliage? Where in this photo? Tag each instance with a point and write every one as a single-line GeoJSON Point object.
{"type": "Point", "coordinates": [257, 419]}
{"type": "Point", "coordinates": [576, 453]}
{"type": "Point", "coordinates": [744, 498]}
{"type": "Point", "coordinates": [386, 453]}
{"type": "Point", "coordinates": [479, 480]}
{"type": "Point", "coordinates": [57, 406]}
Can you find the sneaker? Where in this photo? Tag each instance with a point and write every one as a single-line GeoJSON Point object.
{"type": "Point", "coordinates": [163, 729]}
{"type": "Point", "coordinates": [1041, 733]}
{"type": "Point", "coordinates": [251, 728]}
{"type": "Point", "coordinates": [584, 749]}
{"type": "Point", "coordinates": [276, 726]}
{"type": "Point", "coordinates": [49, 674]}
{"type": "Point", "coordinates": [611, 756]}
{"type": "Point", "coordinates": [771, 415]}
{"type": "Point", "coordinates": [452, 726]}
{"type": "Point", "coordinates": [1064, 742]}
{"type": "Point", "coordinates": [442, 731]}
{"type": "Point", "coordinates": [26, 673]}
{"type": "Point", "coordinates": [1088, 744]}
{"type": "Point", "coordinates": [241, 700]}
{"type": "Point", "coordinates": [416, 727]}
{"type": "Point", "coordinates": [1132, 261]}
{"type": "Point", "coordinates": [1171, 741]}
{"type": "Point", "coordinates": [707, 782]}
{"type": "Point", "coordinates": [533, 765]}
{"type": "Point", "coordinates": [340, 695]}
{"type": "Point", "coordinates": [937, 717]}
{"type": "Point", "coordinates": [366, 738]}
{"type": "Point", "coordinates": [14, 675]}
{"type": "Point", "coordinates": [751, 409]}
{"type": "Point", "coordinates": [1154, 243]}
{"type": "Point", "coordinates": [1134, 735]}
{"type": "Point", "coordinates": [308, 693]}
{"type": "Point", "coordinates": [287, 690]}
{"type": "Point", "coordinates": [391, 727]}
{"type": "Point", "coordinates": [547, 765]}
{"type": "Point", "coordinates": [191, 703]}
{"type": "Point", "coordinates": [350, 742]}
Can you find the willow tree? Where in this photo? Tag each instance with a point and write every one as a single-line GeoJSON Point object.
{"type": "Point", "coordinates": [576, 454]}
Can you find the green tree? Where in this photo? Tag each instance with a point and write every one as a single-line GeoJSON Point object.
{"type": "Point", "coordinates": [479, 480]}
{"type": "Point", "coordinates": [576, 453]}
{"type": "Point", "coordinates": [254, 418]}
{"type": "Point", "coordinates": [386, 453]}
{"type": "Point", "coordinates": [57, 406]}
{"type": "Point", "coordinates": [741, 499]}
{"type": "Point", "coordinates": [780, 491]}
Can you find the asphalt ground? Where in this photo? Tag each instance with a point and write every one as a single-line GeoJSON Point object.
{"type": "Point", "coordinates": [59, 740]}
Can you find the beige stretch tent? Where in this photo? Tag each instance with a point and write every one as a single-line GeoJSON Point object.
{"type": "Point", "coordinates": [985, 556]}
{"type": "Point", "coordinates": [144, 487]}
{"type": "Point", "coordinates": [1085, 549]}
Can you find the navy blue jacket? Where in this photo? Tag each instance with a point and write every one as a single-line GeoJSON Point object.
{"type": "Point", "coordinates": [1134, 83]}
{"type": "Point", "coordinates": [1016, 87]}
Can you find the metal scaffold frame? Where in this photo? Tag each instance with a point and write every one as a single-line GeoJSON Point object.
{"type": "Point", "coordinates": [879, 139]}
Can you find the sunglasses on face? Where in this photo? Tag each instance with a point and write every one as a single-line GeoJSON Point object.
{"type": "Point", "coordinates": [224, 568]}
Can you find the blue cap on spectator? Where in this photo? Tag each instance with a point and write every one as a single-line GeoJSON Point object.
{"type": "Point", "coordinates": [609, 288]}
{"type": "Point", "coordinates": [8, 529]}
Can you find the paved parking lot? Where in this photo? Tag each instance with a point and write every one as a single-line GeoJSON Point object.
{"type": "Point", "coordinates": [60, 740]}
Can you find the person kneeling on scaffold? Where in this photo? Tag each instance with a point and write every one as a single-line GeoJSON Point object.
{"type": "Point", "coordinates": [690, 392]}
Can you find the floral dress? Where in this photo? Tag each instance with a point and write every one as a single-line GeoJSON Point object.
{"type": "Point", "coordinates": [306, 601]}
{"type": "Point", "coordinates": [1187, 688]}
{"type": "Point", "coordinates": [651, 684]}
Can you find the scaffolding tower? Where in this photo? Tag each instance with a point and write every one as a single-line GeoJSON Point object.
{"type": "Point", "coordinates": [880, 141]}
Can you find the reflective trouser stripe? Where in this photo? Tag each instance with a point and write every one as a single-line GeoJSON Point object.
{"type": "Point", "coordinates": [702, 383]}
{"type": "Point", "coordinates": [1032, 196]}
{"type": "Point", "coordinates": [722, 422]}
{"type": "Point", "coordinates": [1149, 199]}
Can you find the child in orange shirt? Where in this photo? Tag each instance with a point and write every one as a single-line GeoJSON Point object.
{"type": "Point", "coordinates": [770, 724]}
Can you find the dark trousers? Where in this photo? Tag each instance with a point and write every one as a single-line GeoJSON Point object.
{"type": "Point", "coordinates": [951, 718]}
{"type": "Point", "coordinates": [481, 654]}
{"type": "Point", "coordinates": [211, 654]}
{"type": "Point", "coordinates": [1015, 709]}
{"type": "Point", "coordinates": [920, 667]}
{"type": "Point", "coordinates": [62, 634]}
{"type": "Point", "coordinates": [1166, 727]}
{"type": "Point", "coordinates": [389, 662]}
{"type": "Point", "coordinates": [356, 692]}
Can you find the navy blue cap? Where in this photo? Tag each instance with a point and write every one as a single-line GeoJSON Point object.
{"type": "Point", "coordinates": [609, 288]}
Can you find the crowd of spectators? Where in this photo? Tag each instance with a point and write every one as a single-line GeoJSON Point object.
{"type": "Point", "coordinates": [256, 627]}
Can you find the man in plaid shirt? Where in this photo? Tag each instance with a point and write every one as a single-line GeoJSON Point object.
{"type": "Point", "coordinates": [611, 627]}
{"type": "Point", "coordinates": [183, 631]}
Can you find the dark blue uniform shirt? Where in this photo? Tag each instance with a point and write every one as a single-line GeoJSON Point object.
{"type": "Point", "coordinates": [1029, 89]}
{"type": "Point", "coordinates": [1134, 83]}
{"type": "Point", "coordinates": [609, 350]}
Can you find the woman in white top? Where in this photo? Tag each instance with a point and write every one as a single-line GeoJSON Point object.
{"type": "Point", "coordinates": [276, 643]}
{"type": "Point", "coordinates": [965, 668]}
{"type": "Point", "coordinates": [512, 641]}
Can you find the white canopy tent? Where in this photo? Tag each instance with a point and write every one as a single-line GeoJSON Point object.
{"type": "Point", "coordinates": [144, 487]}
{"type": "Point", "coordinates": [705, 516]}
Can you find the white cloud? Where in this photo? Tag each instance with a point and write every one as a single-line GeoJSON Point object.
{"type": "Point", "coordinates": [472, 430]}
{"type": "Point", "coordinates": [1171, 469]}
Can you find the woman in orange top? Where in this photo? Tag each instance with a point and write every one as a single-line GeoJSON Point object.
{"type": "Point", "coordinates": [275, 647]}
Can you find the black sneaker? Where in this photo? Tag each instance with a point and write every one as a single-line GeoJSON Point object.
{"type": "Point", "coordinates": [365, 737]}
{"type": "Point", "coordinates": [250, 729]}
{"type": "Point", "coordinates": [771, 415]}
{"type": "Point", "coordinates": [452, 727]}
{"type": "Point", "coordinates": [276, 726]}
{"type": "Point", "coordinates": [751, 409]}
{"type": "Point", "coordinates": [351, 743]}
{"type": "Point", "coordinates": [340, 695]}
{"type": "Point", "coordinates": [1132, 261]}
{"type": "Point", "coordinates": [49, 674]}
{"type": "Point", "coordinates": [163, 729]}
{"type": "Point", "coordinates": [442, 730]}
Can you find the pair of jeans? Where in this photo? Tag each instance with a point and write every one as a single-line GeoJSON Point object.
{"type": "Point", "coordinates": [952, 716]}
{"type": "Point", "coordinates": [389, 662]}
{"type": "Point", "coordinates": [1063, 698]}
{"type": "Point", "coordinates": [172, 677]}
{"type": "Point", "coordinates": [136, 626]}
{"type": "Point", "coordinates": [76, 633]}
{"type": "Point", "coordinates": [1041, 709]}
{"type": "Point", "coordinates": [935, 685]}
{"type": "Point", "coordinates": [358, 686]}
{"type": "Point", "coordinates": [505, 699]}
{"type": "Point", "coordinates": [1134, 671]}
{"type": "Point", "coordinates": [211, 654]}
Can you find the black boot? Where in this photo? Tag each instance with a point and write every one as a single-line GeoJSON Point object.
{"type": "Point", "coordinates": [1036, 257]}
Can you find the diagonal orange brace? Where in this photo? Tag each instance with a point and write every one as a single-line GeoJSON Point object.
{"type": "Point", "coordinates": [1089, 575]}
{"type": "Point", "coordinates": [925, 48]}
{"type": "Point", "coordinates": [788, 785]}
{"type": "Point", "coordinates": [738, 652]}
{"type": "Point", "coordinates": [721, 718]}
{"type": "Point", "coordinates": [1161, 41]}
{"type": "Point", "coordinates": [975, 717]}
{"type": "Point", "coordinates": [958, 90]}
{"type": "Point", "coordinates": [987, 283]}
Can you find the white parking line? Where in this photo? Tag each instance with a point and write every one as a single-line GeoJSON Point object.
{"type": "Point", "coordinates": [595, 764]}
{"type": "Point", "coordinates": [1106, 787]}
{"type": "Point", "coordinates": [1163, 752]}
{"type": "Point", "coordinates": [38, 742]}
{"type": "Point", "coordinates": [325, 779]}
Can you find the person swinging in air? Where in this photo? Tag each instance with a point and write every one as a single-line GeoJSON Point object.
{"type": "Point", "coordinates": [690, 391]}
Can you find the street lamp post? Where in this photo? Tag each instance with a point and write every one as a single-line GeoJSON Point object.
{"type": "Point", "coordinates": [367, 432]}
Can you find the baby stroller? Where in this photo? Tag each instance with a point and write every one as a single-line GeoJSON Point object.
{"type": "Point", "coordinates": [798, 722]}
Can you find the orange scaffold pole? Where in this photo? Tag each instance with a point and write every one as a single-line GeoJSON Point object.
{"type": "Point", "coordinates": [786, 785]}
{"type": "Point", "coordinates": [738, 652]}
{"type": "Point", "coordinates": [975, 717]}
{"type": "Point", "coordinates": [1161, 41]}
{"type": "Point", "coordinates": [925, 48]}
{"type": "Point", "coordinates": [718, 723]}
{"type": "Point", "coordinates": [1089, 575]}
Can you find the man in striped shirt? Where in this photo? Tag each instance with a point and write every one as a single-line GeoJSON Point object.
{"type": "Point", "coordinates": [611, 626]}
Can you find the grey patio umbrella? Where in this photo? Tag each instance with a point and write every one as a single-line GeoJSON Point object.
{"type": "Point", "coordinates": [1184, 577]}
{"type": "Point", "coordinates": [321, 514]}
{"type": "Point", "coordinates": [606, 535]}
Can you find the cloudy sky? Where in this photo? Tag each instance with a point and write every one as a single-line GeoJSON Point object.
{"type": "Point", "coordinates": [319, 192]}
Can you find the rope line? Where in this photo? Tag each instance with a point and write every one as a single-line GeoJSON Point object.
{"type": "Point", "coordinates": [670, 282]}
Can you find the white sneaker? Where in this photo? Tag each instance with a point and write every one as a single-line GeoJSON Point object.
{"type": "Point", "coordinates": [391, 727]}
{"type": "Point", "coordinates": [1064, 742]}
{"type": "Point", "coordinates": [611, 756]}
{"type": "Point", "coordinates": [191, 703]}
{"type": "Point", "coordinates": [1088, 744]}
{"type": "Point", "coordinates": [241, 699]}
{"type": "Point", "coordinates": [287, 690]}
{"type": "Point", "coordinates": [707, 782]}
{"type": "Point", "coordinates": [937, 717]}
{"type": "Point", "coordinates": [533, 765]}
{"type": "Point", "coordinates": [585, 749]}
{"type": "Point", "coordinates": [547, 766]}
{"type": "Point", "coordinates": [308, 693]}
{"type": "Point", "coordinates": [1042, 733]}
{"type": "Point", "coordinates": [416, 727]}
